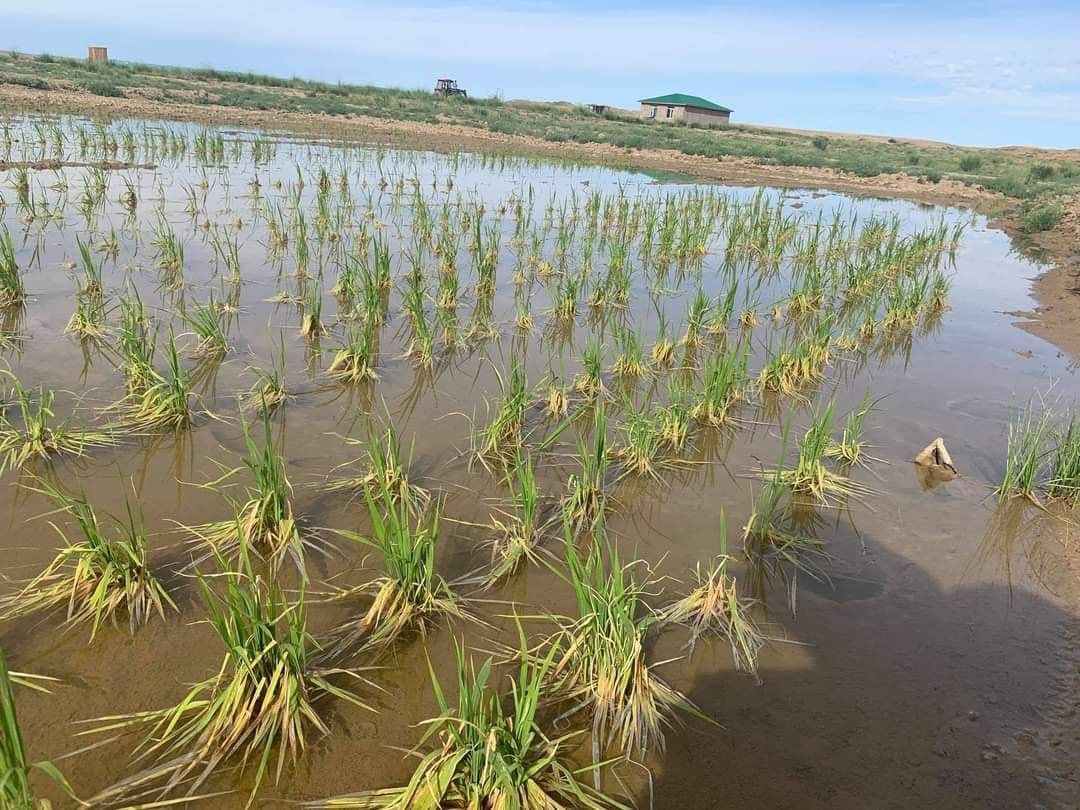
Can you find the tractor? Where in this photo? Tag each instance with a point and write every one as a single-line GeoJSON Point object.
{"type": "Point", "coordinates": [447, 88]}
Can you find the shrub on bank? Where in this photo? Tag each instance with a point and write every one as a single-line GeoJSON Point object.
{"type": "Point", "coordinates": [1039, 217]}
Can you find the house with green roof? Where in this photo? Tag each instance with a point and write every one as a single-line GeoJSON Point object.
{"type": "Point", "coordinates": [682, 107]}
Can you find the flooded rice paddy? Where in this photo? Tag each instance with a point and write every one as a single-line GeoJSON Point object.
{"type": "Point", "coordinates": [495, 312]}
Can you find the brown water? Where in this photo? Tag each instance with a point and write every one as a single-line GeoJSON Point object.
{"type": "Point", "coordinates": [931, 661]}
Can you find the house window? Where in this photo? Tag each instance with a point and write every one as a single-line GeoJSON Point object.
{"type": "Point", "coordinates": [670, 112]}
{"type": "Point", "coordinates": [652, 112]}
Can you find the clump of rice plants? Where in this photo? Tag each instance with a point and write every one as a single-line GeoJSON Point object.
{"type": "Point", "coordinates": [205, 322]}
{"type": "Point", "coordinates": [100, 576]}
{"type": "Point", "coordinates": [697, 320]}
{"type": "Point", "coordinates": [269, 389]}
{"type": "Point", "coordinates": [163, 401]}
{"type": "Point", "coordinates": [601, 663]}
{"type": "Point", "coordinates": [355, 361]}
{"type": "Point", "coordinates": [714, 607]}
{"type": "Point", "coordinates": [1064, 477]}
{"type": "Point", "coordinates": [488, 756]}
{"type": "Point", "coordinates": [37, 435]}
{"type": "Point", "coordinates": [12, 289]}
{"type": "Point", "coordinates": [791, 368]}
{"type": "Point", "coordinates": [265, 696]}
{"type": "Point", "coordinates": [642, 443]}
{"type": "Point", "coordinates": [565, 300]}
{"type": "Point", "coordinates": [15, 767]}
{"type": "Point", "coordinates": [311, 325]}
{"type": "Point", "coordinates": [386, 468]}
{"type": "Point", "coordinates": [662, 354]}
{"type": "Point", "coordinates": [170, 252]}
{"type": "Point", "coordinates": [940, 287]}
{"type": "Point", "coordinates": [586, 499]}
{"type": "Point", "coordinates": [410, 594]}
{"type": "Point", "coordinates": [850, 448]}
{"type": "Point", "coordinates": [264, 521]}
{"type": "Point", "coordinates": [590, 381]}
{"type": "Point", "coordinates": [630, 362]}
{"type": "Point", "coordinates": [673, 420]}
{"type": "Point", "coordinates": [810, 476]}
{"type": "Point", "coordinates": [1026, 457]}
{"type": "Point", "coordinates": [556, 403]}
{"type": "Point", "coordinates": [502, 436]}
{"type": "Point", "coordinates": [724, 386]}
{"type": "Point", "coordinates": [135, 343]}
{"type": "Point", "coordinates": [772, 541]}
{"type": "Point", "coordinates": [88, 320]}
{"type": "Point", "coordinates": [518, 530]}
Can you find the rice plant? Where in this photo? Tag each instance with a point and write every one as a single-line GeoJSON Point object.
{"type": "Point", "coordinates": [1064, 475]}
{"type": "Point", "coordinates": [264, 520]}
{"type": "Point", "coordinates": [16, 792]}
{"type": "Point", "coordinates": [601, 664]}
{"type": "Point", "coordinates": [630, 361]}
{"type": "Point", "coordinates": [697, 320]}
{"type": "Point", "coordinates": [772, 541]}
{"type": "Point", "coordinates": [311, 325]}
{"type": "Point", "coordinates": [556, 402]}
{"type": "Point", "coordinates": [503, 435]}
{"type": "Point", "coordinates": [135, 342]}
{"type": "Point", "coordinates": [163, 402]}
{"type": "Point", "coordinates": [88, 319]}
{"type": "Point", "coordinates": [385, 468]}
{"type": "Point", "coordinates": [205, 321]}
{"type": "Point", "coordinates": [662, 354]}
{"type": "Point", "coordinates": [673, 419]}
{"type": "Point", "coordinates": [518, 529]}
{"type": "Point", "coordinates": [586, 499]}
{"type": "Point", "coordinates": [37, 435]}
{"type": "Point", "coordinates": [590, 381]}
{"type": "Point", "coordinates": [269, 389]}
{"type": "Point", "coordinates": [100, 576]}
{"type": "Point", "coordinates": [12, 288]}
{"type": "Point", "coordinates": [355, 361]}
{"type": "Point", "coordinates": [642, 442]}
{"type": "Point", "coordinates": [715, 607]}
{"type": "Point", "coordinates": [850, 448]}
{"type": "Point", "coordinates": [410, 594]}
{"type": "Point", "coordinates": [810, 476]}
{"type": "Point", "coordinates": [724, 386]}
{"type": "Point", "coordinates": [91, 284]}
{"type": "Point", "coordinates": [1027, 455]}
{"type": "Point", "coordinates": [265, 699]}
{"type": "Point", "coordinates": [170, 252]}
{"type": "Point", "coordinates": [482, 755]}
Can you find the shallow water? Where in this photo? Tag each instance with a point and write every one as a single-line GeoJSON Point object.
{"type": "Point", "coordinates": [926, 662]}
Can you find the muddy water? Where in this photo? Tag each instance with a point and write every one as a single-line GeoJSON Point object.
{"type": "Point", "coordinates": [929, 660]}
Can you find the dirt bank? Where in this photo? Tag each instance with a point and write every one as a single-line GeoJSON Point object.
{"type": "Point", "coordinates": [1056, 318]}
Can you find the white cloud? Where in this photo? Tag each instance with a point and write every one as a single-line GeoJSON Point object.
{"type": "Point", "coordinates": [970, 57]}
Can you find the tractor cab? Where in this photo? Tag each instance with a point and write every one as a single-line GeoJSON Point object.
{"type": "Point", "coordinates": [448, 87]}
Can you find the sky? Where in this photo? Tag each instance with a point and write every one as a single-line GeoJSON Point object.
{"type": "Point", "coordinates": [978, 72]}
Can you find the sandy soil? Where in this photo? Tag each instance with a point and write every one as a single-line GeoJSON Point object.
{"type": "Point", "coordinates": [1056, 318]}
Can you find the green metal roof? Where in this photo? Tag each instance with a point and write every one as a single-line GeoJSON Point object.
{"type": "Point", "coordinates": [683, 100]}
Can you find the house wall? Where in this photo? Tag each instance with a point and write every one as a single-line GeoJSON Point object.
{"type": "Point", "coordinates": [661, 112]}
{"type": "Point", "coordinates": [692, 115]}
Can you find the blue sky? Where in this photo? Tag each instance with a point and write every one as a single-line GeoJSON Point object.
{"type": "Point", "coordinates": [984, 73]}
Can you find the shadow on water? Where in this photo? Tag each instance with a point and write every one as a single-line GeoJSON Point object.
{"type": "Point", "coordinates": [894, 692]}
